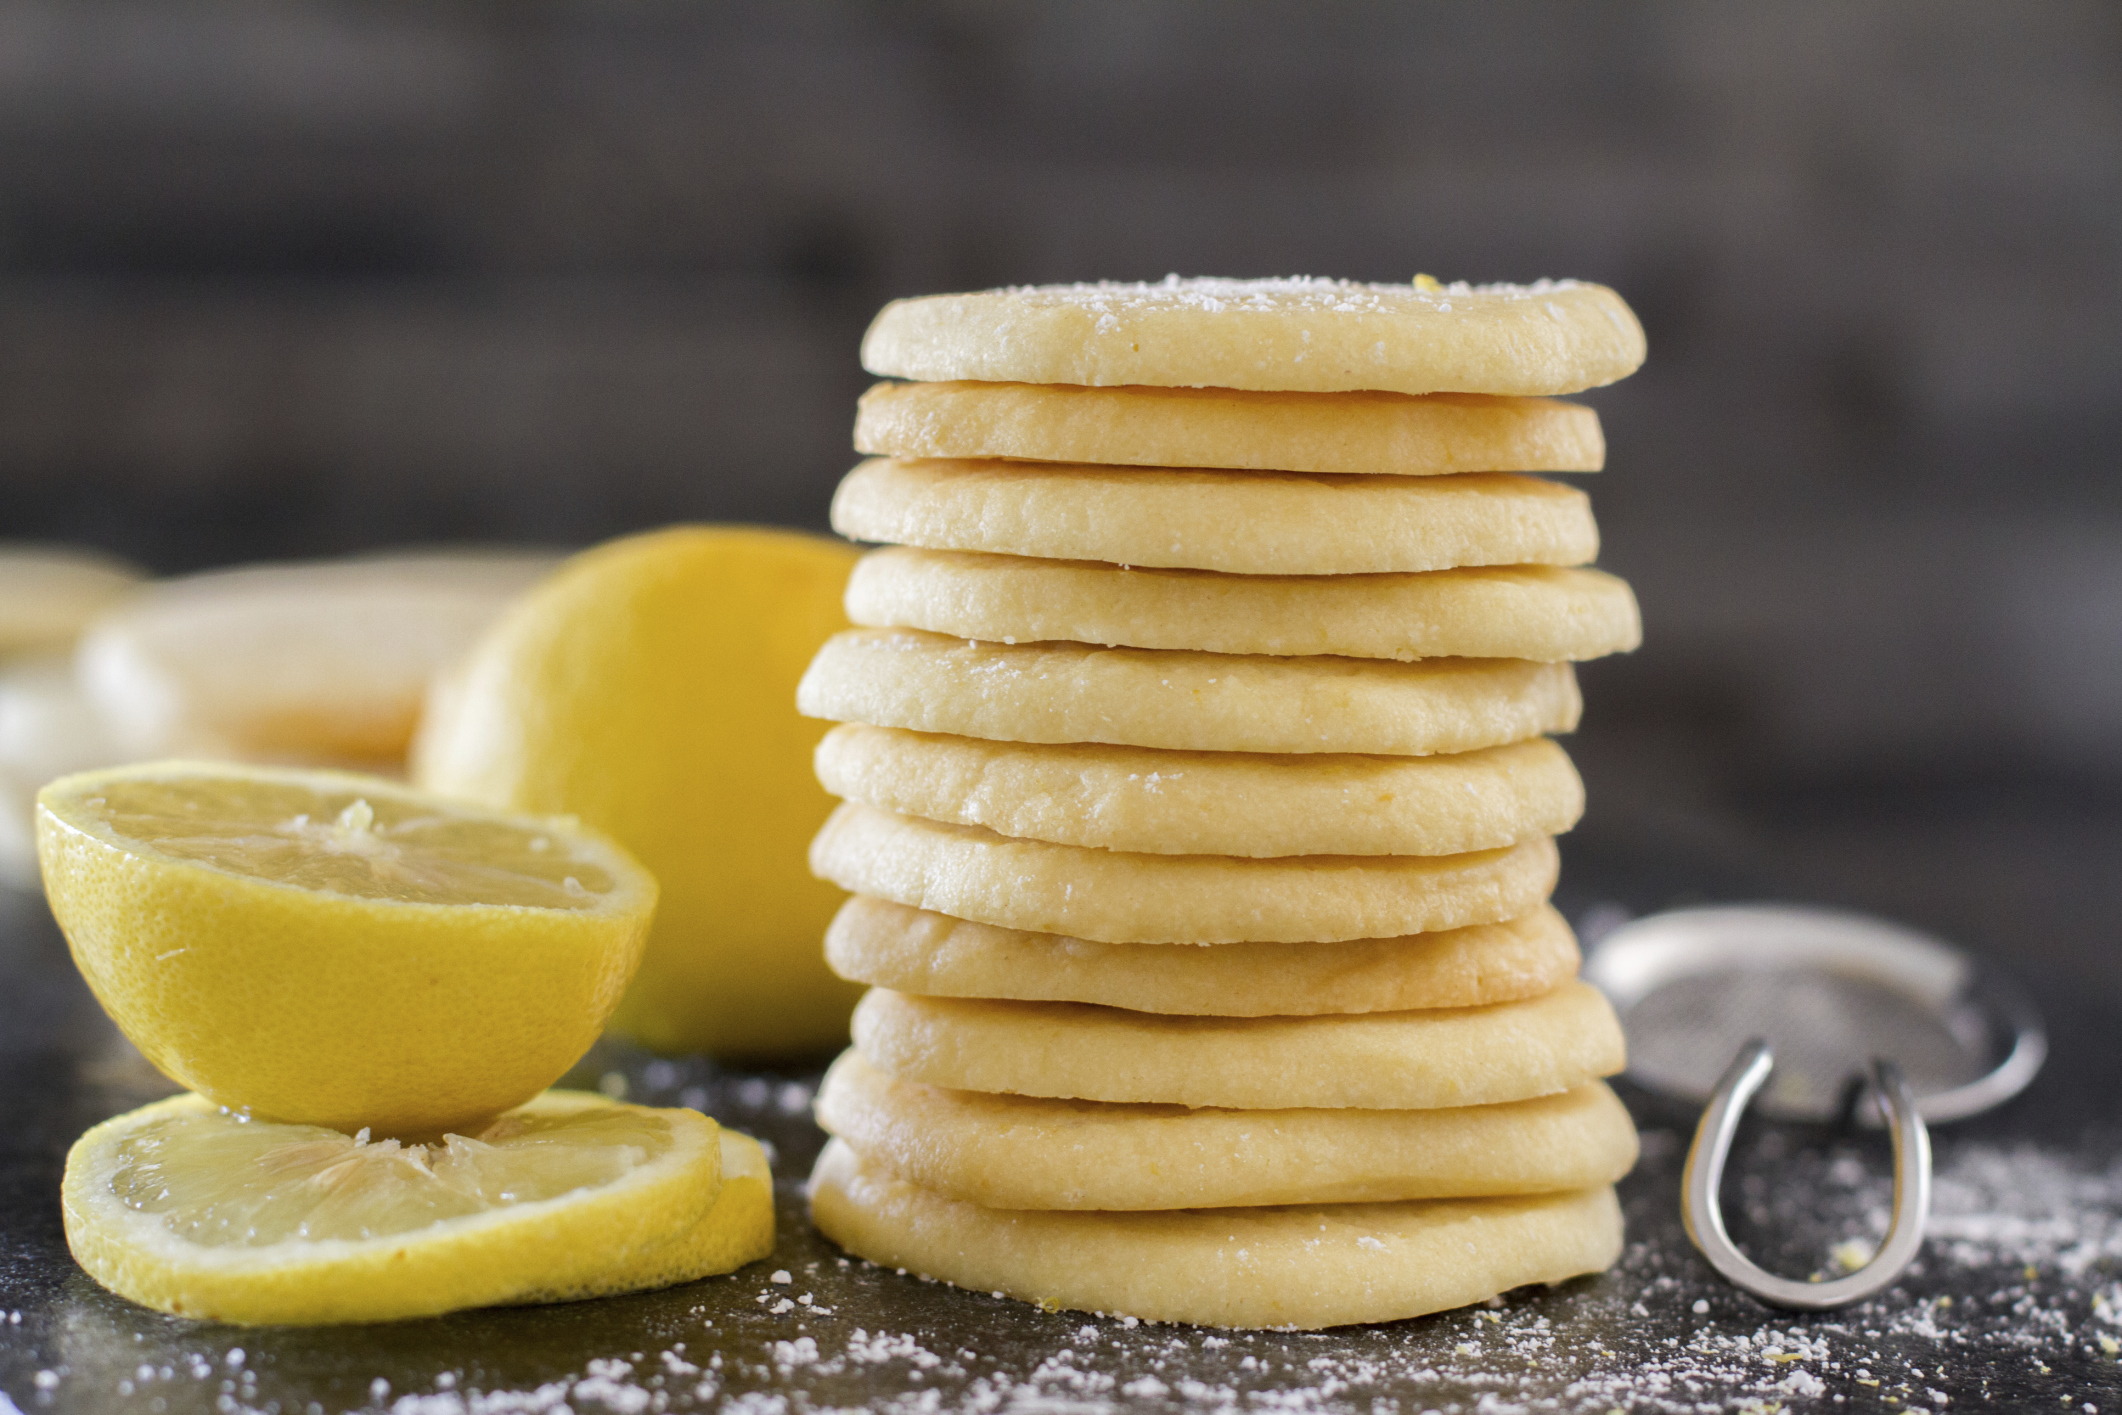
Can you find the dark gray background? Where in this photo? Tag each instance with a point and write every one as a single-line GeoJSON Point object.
{"type": "Point", "coordinates": [297, 278]}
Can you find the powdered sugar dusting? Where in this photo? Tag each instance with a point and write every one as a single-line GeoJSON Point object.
{"type": "Point", "coordinates": [1301, 293]}
{"type": "Point", "coordinates": [2016, 1302]}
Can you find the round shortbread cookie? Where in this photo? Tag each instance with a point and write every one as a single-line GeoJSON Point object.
{"type": "Point", "coordinates": [1451, 1056]}
{"type": "Point", "coordinates": [1305, 1267]}
{"type": "Point", "coordinates": [1241, 523]}
{"type": "Point", "coordinates": [327, 660]}
{"type": "Point", "coordinates": [49, 593]}
{"type": "Point", "coordinates": [1300, 334]}
{"type": "Point", "coordinates": [47, 730]}
{"type": "Point", "coordinates": [1354, 433]}
{"type": "Point", "coordinates": [1184, 701]}
{"type": "Point", "coordinates": [917, 951]}
{"type": "Point", "coordinates": [1110, 897]}
{"type": "Point", "coordinates": [1539, 612]}
{"type": "Point", "coordinates": [1027, 1152]}
{"type": "Point", "coordinates": [1156, 802]}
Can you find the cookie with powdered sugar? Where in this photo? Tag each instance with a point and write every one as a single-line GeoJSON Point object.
{"type": "Point", "coordinates": [1298, 334]}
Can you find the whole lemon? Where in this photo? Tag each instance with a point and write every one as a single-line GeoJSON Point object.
{"type": "Point", "coordinates": [649, 688]}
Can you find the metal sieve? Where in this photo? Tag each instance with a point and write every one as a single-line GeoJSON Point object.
{"type": "Point", "coordinates": [1816, 1013]}
{"type": "Point", "coordinates": [1828, 991]}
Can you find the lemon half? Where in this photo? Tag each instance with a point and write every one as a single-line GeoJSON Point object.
{"type": "Point", "coordinates": [340, 950]}
{"type": "Point", "coordinates": [198, 1212]}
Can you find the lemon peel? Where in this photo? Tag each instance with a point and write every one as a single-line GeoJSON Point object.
{"type": "Point", "coordinates": [649, 687]}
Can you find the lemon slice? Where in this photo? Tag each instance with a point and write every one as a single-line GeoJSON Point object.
{"type": "Point", "coordinates": [739, 1228]}
{"type": "Point", "coordinates": [339, 950]}
{"type": "Point", "coordinates": [199, 1212]}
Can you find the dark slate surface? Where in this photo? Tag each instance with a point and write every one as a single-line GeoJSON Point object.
{"type": "Point", "coordinates": [2016, 1301]}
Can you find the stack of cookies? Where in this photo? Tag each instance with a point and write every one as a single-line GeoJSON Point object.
{"type": "Point", "coordinates": [1199, 804]}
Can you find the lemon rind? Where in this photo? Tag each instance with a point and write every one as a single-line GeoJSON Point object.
{"type": "Point", "coordinates": [737, 1229]}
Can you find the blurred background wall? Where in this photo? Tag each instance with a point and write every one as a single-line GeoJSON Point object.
{"type": "Point", "coordinates": [300, 278]}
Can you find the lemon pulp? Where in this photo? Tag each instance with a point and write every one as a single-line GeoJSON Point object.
{"type": "Point", "coordinates": [219, 1180]}
{"type": "Point", "coordinates": [351, 840]}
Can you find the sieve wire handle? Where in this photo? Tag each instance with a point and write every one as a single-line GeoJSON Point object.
{"type": "Point", "coordinates": [1704, 1218]}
